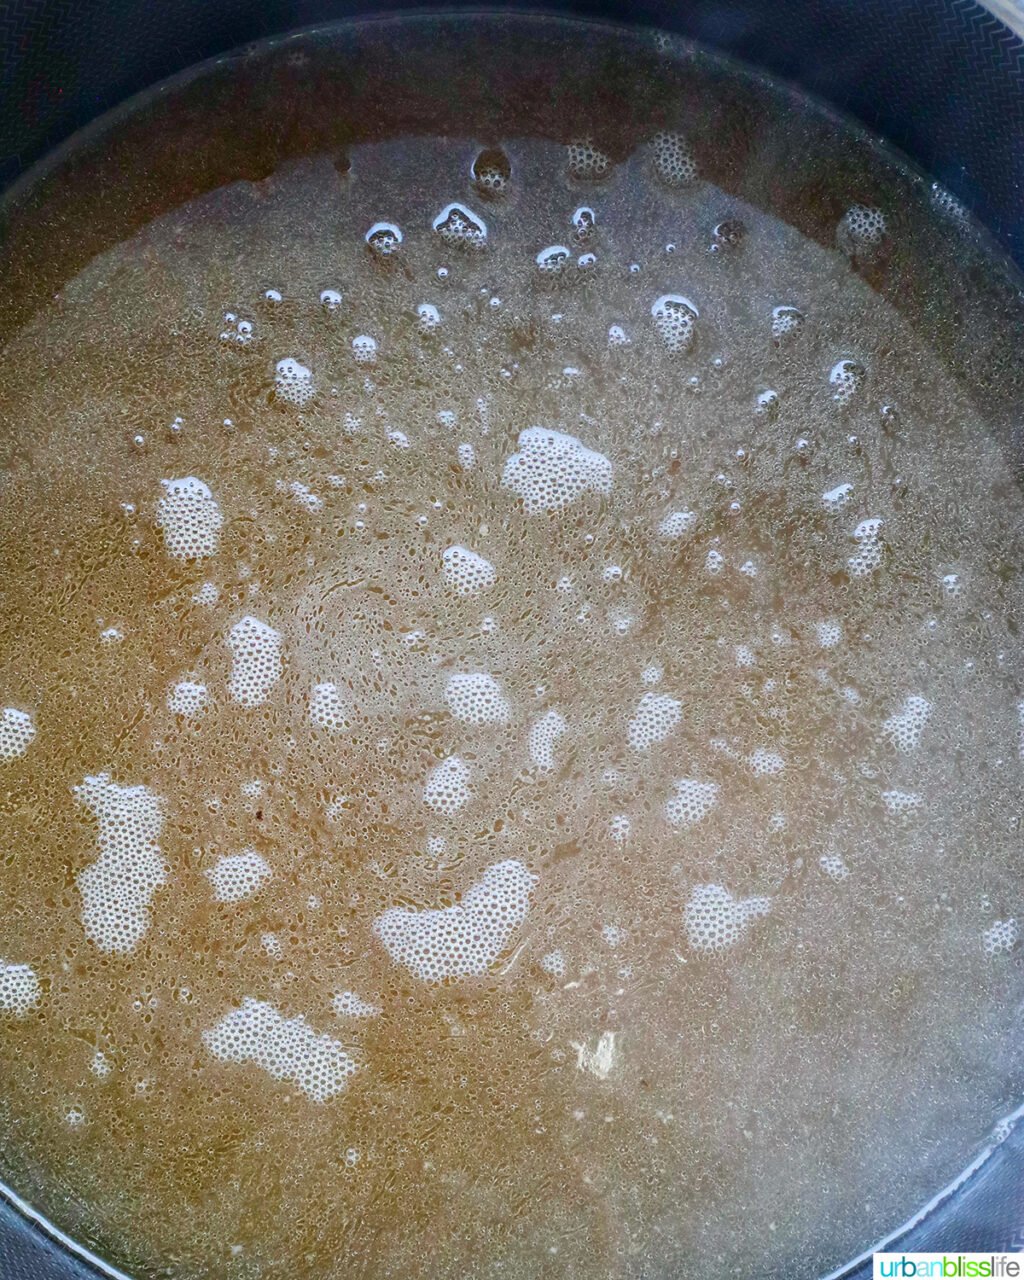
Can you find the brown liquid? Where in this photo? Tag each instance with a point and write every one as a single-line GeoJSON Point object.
{"type": "Point", "coordinates": [636, 1107]}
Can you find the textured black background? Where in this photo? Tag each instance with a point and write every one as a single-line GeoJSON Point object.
{"type": "Point", "coordinates": [941, 79]}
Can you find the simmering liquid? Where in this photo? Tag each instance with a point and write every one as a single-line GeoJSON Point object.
{"type": "Point", "coordinates": [511, 762]}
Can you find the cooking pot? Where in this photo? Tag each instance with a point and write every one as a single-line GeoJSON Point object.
{"type": "Point", "coordinates": [942, 80]}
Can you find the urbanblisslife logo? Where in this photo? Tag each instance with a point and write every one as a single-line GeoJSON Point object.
{"type": "Point", "coordinates": [949, 1266]}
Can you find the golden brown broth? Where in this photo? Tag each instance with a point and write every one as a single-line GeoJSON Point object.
{"type": "Point", "coordinates": [759, 1103]}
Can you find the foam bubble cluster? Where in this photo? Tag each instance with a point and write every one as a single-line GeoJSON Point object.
{"type": "Point", "coordinates": [765, 763]}
{"type": "Point", "coordinates": [835, 499]}
{"type": "Point", "coordinates": [326, 707]}
{"type": "Point", "coordinates": [188, 699]}
{"type": "Point", "coordinates": [446, 790]}
{"type": "Point", "coordinates": [678, 524]}
{"type": "Point", "coordinates": [256, 664]}
{"type": "Point", "coordinates": [238, 875]}
{"type": "Point", "coordinates": [463, 940]}
{"type": "Point", "coordinates": [691, 802]}
{"type": "Point", "coordinates": [286, 1048]}
{"type": "Point", "coordinates": [476, 698]}
{"type": "Point", "coordinates": [656, 715]}
{"type": "Point", "coordinates": [586, 161]}
{"type": "Point", "coordinates": [829, 633]}
{"type": "Point", "coordinates": [675, 320]}
{"type": "Point", "coordinates": [552, 470]}
{"type": "Point", "coordinates": [833, 866]}
{"type": "Point", "coordinates": [460, 228]}
{"type": "Point", "coordinates": [1001, 937]}
{"type": "Point", "coordinates": [364, 349]}
{"type": "Point", "coordinates": [846, 378]}
{"type": "Point", "coordinates": [19, 989]}
{"type": "Point", "coordinates": [870, 548]}
{"type": "Point", "coordinates": [673, 159]}
{"type": "Point", "coordinates": [544, 734]}
{"type": "Point", "coordinates": [787, 325]}
{"type": "Point", "coordinates": [347, 1004]}
{"type": "Point", "coordinates": [118, 887]}
{"type": "Point", "coordinates": [428, 317]}
{"type": "Point", "coordinates": [861, 231]}
{"type": "Point", "coordinates": [293, 383]}
{"type": "Point", "coordinates": [16, 733]}
{"type": "Point", "coordinates": [384, 239]}
{"type": "Point", "coordinates": [904, 727]}
{"type": "Point", "coordinates": [900, 804]}
{"type": "Point", "coordinates": [715, 920]}
{"type": "Point", "coordinates": [189, 518]}
{"type": "Point", "coordinates": [492, 172]}
{"type": "Point", "coordinates": [467, 572]}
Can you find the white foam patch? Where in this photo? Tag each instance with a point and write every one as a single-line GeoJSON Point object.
{"type": "Point", "coordinates": [16, 733]}
{"type": "Point", "coordinates": [599, 1060]}
{"type": "Point", "coordinates": [302, 494]}
{"type": "Point", "coordinates": [904, 728]}
{"type": "Point", "coordinates": [837, 498]}
{"type": "Point", "coordinates": [833, 866]}
{"type": "Point", "coordinates": [678, 524]}
{"type": "Point", "coordinates": [189, 518]}
{"type": "Point", "coordinates": [554, 963]}
{"type": "Point", "coordinates": [256, 661]}
{"type": "Point", "coordinates": [829, 633]}
{"type": "Point", "coordinates": [552, 470]}
{"type": "Point", "coordinates": [460, 227]}
{"type": "Point", "coordinates": [476, 698]}
{"type": "Point", "coordinates": [446, 790]}
{"type": "Point", "coordinates": [900, 804]}
{"type": "Point", "coordinates": [463, 940]}
{"type": "Point", "coordinates": [544, 734]}
{"type": "Point", "coordinates": [715, 920]}
{"type": "Point", "coordinates": [655, 717]}
{"type": "Point", "coordinates": [238, 875]}
{"type": "Point", "coordinates": [326, 707]}
{"type": "Point", "coordinates": [691, 802]}
{"type": "Point", "coordinates": [619, 827]}
{"type": "Point", "coordinates": [293, 383]}
{"type": "Point", "coordinates": [188, 699]}
{"type": "Point", "coordinates": [349, 1005]}
{"type": "Point", "coordinates": [744, 655]}
{"type": "Point", "coordinates": [847, 379]}
{"type": "Point", "coordinates": [428, 318]}
{"type": "Point", "coordinates": [1001, 937]}
{"type": "Point", "coordinates": [286, 1048]}
{"type": "Point", "coordinates": [208, 593]}
{"type": "Point", "coordinates": [118, 887]}
{"type": "Point", "coordinates": [765, 763]}
{"type": "Point", "coordinates": [871, 549]}
{"type": "Point", "coordinates": [19, 989]}
{"type": "Point", "coordinates": [675, 319]}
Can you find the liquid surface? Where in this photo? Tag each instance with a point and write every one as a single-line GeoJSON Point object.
{"type": "Point", "coordinates": [512, 751]}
